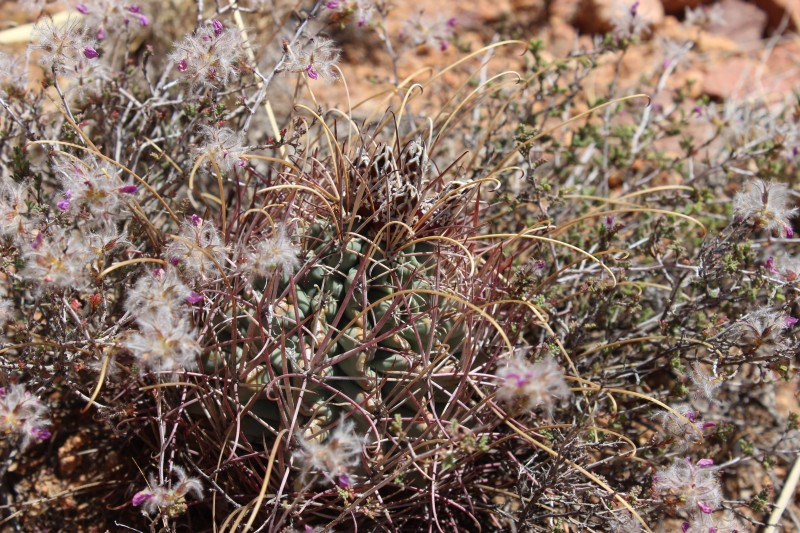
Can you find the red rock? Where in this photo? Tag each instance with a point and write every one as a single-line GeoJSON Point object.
{"type": "Point", "coordinates": [776, 10]}
{"type": "Point", "coordinates": [740, 77]}
{"type": "Point", "coordinates": [676, 7]}
{"type": "Point", "coordinates": [741, 21]}
{"type": "Point", "coordinates": [598, 16]}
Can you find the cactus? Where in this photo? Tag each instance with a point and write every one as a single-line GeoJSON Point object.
{"type": "Point", "coordinates": [365, 320]}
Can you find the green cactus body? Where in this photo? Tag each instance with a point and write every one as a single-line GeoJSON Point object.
{"type": "Point", "coordinates": [355, 322]}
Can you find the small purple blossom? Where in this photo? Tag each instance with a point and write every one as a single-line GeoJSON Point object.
{"type": "Point", "coordinates": [140, 497]}
{"type": "Point", "coordinates": [101, 33]}
{"type": "Point", "coordinates": [183, 65]}
{"type": "Point", "coordinates": [37, 242]}
{"type": "Point", "coordinates": [144, 21]}
{"type": "Point", "coordinates": [174, 261]}
{"type": "Point", "coordinates": [194, 297]}
{"type": "Point", "coordinates": [63, 204]}
{"type": "Point", "coordinates": [685, 527]}
{"type": "Point", "coordinates": [791, 321]}
{"type": "Point", "coordinates": [770, 265]}
{"type": "Point", "coordinates": [82, 9]}
{"type": "Point", "coordinates": [333, 4]}
{"type": "Point", "coordinates": [41, 433]}
{"type": "Point", "coordinates": [705, 508]}
{"type": "Point", "coordinates": [343, 481]}
{"type": "Point", "coordinates": [134, 8]}
{"type": "Point", "coordinates": [635, 8]}
{"type": "Point", "coordinates": [705, 462]}
{"type": "Point", "coordinates": [128, 189]}
{"type": "Point", "coordinates": [195, 220]}
{"type": "Point", "coordinates": [789, 232]}
{"type": "Point", "coordinates": [90, 53]}
{"type": "Point", "coordinates": [311, 72]}
{"type": "Point", "coordinates": [218, 27]}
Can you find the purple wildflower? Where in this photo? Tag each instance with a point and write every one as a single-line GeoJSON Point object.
{"type": "Point", "coordinates": [770, 265]}
{"type": "Point", "coordinates": [140, 497]}
{"type": "Point", "coordinates": [90, 53]}
{"type": "Point", "coordinates": [41, 433]}
{"type": "Point", "coordinates": [194, 297]}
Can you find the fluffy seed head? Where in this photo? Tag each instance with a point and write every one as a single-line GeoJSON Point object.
{"type": "Point", "coordinates": [765, 205]}
{"type": "Point", "coordinates": [209, 57]}
{"type": "Point", "coordinates": [692, 487]}
{"type": "Point", "coordinates": [316, 59]}
{"type": "Point", "coordinates": [335, 457]}
{"type": "Point", "coordinates": [168, 346]}
{"type": "Point", "coordinates": [224, 145]}
{"type": "Point", "coordinates": [532, 384]}
{"type": "Point", "coordinates": [197, 248]}
{"type": "Point", "coordinates": [278, 253]}
{"type": "Point", "coordinates": [166, 501]}
{"type": "Point", "coordinates": [22, 415]}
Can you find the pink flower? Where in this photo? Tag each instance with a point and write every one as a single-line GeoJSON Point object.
{"type": "Point", "coordinates": [82, 9]}
{"type": "Point", "coordinates": [183, 65]}
{"type": "Point", "coordinates": [218, 27]}
{"type": "Point", "coordinates": [101, 33]}
{"type": "Point", "coordinates": [90, 53]}
{"type": "Point", "coordinates": [770, 264]}
{"type": "Point", "coordinates": [791, 321]}
{"type": "Point", "coordinates": [128, 189]}
{"type": "Point", "coordinates": [140, 497]}
{"type": "Point", "coordinates": [144, 21]}
{"type": "Point", "coordinates": [705, 507]}
{"type": "Point", "coordinates": [41, 433]}
{"type": "Point", "coordinates": [705, 462]}
{"type": "Point", "coordinates": [194, 297]}
{"type": "Point", "coordinates": [311, 72]}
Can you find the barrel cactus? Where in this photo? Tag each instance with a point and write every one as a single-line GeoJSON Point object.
{"type": "Point", "coordinates": [355, 302]}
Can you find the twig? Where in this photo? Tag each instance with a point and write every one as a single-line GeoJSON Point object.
{"type": "Point", "coordinates": [787, 493]}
